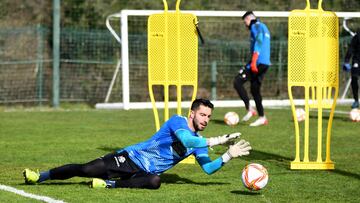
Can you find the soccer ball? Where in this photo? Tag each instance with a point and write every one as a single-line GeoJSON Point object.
{"type": "Point", "coordinates": [231, 118]}
{"type": "Point", "coordinates": [254, 176]}
{"type": "Point", "coordinates": [300, 114]}
{"type": "Point", "coordinates": [355, 115]}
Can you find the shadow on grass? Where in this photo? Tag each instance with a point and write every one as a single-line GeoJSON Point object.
{"type": "Point", "coordinates": [260, 155]}
{"type": "Point", "coordinates": [109, 149]}
{"type": "Point", "coordinates": [346, 173]}
{"type": "Point", "coordinates": [326, 117]}
{"type": "Point", "coordinates": [336, 171]}
{"type": "Point", "coordinates": [170, 178]}
{"type": "Point", "coordinates": [165, 178]}
{"type": "Point", "coordinates": [249, 193]}
{"type": "Point", "coordinates": [59, 182]}
{"type": "Point", "coordinates": [221, 122]}
{"type": "Point", "coordinates": [218, 121]}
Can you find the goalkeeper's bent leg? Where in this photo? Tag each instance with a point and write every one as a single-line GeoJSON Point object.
{"type": "Point", "coordinates": [95, 169]}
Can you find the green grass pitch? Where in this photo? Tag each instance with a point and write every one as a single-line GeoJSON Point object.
{"type": "Point", "coordinates": [45, 139]}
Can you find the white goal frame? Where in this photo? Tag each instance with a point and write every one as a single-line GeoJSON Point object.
{"type": "Point", "coordinates": [124, 41]}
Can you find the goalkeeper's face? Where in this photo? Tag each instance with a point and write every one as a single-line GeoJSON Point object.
{"type": "Point", "coordinates": [201, 117]}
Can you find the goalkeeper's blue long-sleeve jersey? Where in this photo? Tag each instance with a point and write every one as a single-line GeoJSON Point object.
{"type": "Point", "coordinates": [172, 143]}
{"type": "Point", "coordinates": [260, 42]}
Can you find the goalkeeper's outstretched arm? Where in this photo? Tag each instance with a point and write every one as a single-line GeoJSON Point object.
{"type": "Point", "coordinates": [190, 141]}
{"type": "Point", "coordinates": [241, 148]}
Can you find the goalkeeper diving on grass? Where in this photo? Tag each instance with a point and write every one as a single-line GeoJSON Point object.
{"type": "Point", "coordinates": [140, 165]}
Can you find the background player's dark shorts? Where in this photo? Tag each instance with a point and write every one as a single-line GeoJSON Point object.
{"type": "Point", "coordinates": [248, 75]}
{"type": "Point", "coordinates": [120, 165]}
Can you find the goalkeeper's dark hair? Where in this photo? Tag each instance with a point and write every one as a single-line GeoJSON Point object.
{"type": "Point", "coordinates": [247, 13]}
{"type": "Point", "coordinates": [198, 102]}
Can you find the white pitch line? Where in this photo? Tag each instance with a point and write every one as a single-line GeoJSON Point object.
{"type": "Point", "coordinates": [29, 195]}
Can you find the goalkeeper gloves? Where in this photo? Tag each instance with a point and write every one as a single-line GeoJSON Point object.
{"type": "Point", "coordinates": [346, 67]}
{"type": "Point", "coordinates": [239, 149]}
{"type": "Point", "coordinates": [253, 66]}
{"type": "Point", "coordinates": [212, 141]}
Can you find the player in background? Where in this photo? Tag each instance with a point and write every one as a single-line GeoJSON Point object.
{"type": "Point", "coordinates": [255, 70]}
{"type": "Point", "coordinates": [353, 53]}
{"type": "Point", "coordinates": [140, 165]}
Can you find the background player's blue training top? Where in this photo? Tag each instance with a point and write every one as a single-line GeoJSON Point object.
{"type": "Point", "coordinates": [165, 149]}
{"type": "Point", "coordinates": [260, 42]}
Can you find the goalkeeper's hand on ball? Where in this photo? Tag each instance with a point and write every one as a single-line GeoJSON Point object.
{"type": "Point", "coordinates": [212, 141]}
{"type": "Point", "coordinates": [242, 148]}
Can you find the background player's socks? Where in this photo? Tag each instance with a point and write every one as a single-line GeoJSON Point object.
{"type": "Point", "coordinates": [251, 112]}
{"type": "Point", "coordinates": [355, 105]}
{"type": "Point", "coordinates": [260, 121]}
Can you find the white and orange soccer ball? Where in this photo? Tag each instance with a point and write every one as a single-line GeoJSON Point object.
{"type": "Point", "coordinates": [255, 176]}
{"type": "Point", "coordinates": [355, 115]}
{"type": "Point", "coordinates": [300, 114]}
{"type": "Point", "coordinates": [231, 118]}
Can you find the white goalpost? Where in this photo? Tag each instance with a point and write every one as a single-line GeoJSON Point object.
{"type": "Point", "coordinates": [123, 39]}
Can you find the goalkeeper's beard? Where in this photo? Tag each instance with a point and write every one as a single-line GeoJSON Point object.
{"type": "Point", "coordinates": [198, 126]}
